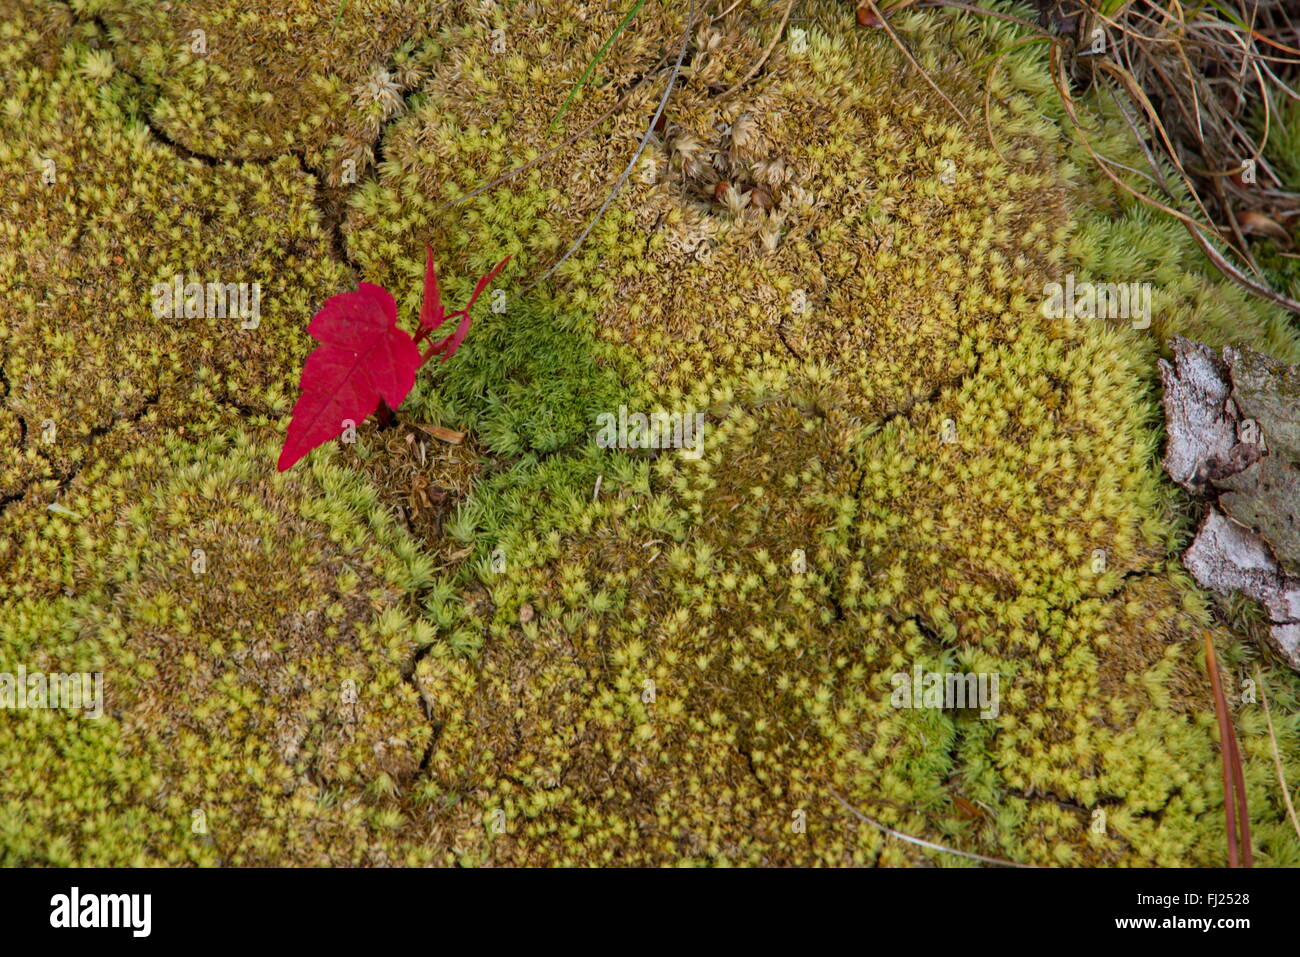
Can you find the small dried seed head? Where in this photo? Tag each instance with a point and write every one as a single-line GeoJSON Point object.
{"type": "Point", "coordinates": [760, 198]}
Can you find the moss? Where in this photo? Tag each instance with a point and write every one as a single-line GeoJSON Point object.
{"type": "Point", "coordinates": [527, 381]}
{"type": "Point", "coordinates": [82, 250]}
{"type": "Point", "coordinates": [255, 81]}
{"type": "Point", "coordinates": [842, 266]}
{"type": "Point", "coordinates": [1117, 237]}
{"type": "Point", "coordinates": [272, 703]}
{"type": "Point", "coordinates": [567, 654]}
{"type": "Point", "coordinates": [771, 686]}
{"type": "Point", "coordinates": [984, 538]}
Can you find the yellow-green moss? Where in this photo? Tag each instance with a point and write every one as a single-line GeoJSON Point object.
{"type": "Point", "coordinates": [251, 632]}
{"type": "Point", "coordinates": [917, 469]}
{"type": "Point", "coordinates": [771, 685]}
{"type": "Point", "coordinates": [81, 250]}
{"type": "Point", "coordinates": [258, 80]}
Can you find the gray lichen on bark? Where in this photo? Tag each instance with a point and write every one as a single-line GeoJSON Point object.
{"type": "Point", "coordinates": [1233, 425]}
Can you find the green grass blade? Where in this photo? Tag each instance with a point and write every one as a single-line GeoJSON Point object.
{"type": "Point", "coordinates": [586, 74]}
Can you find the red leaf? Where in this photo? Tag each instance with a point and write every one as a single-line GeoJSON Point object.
{"type": "Point", "coordinates": [447, 347]}
{"type": "Point", "coordinates": [431, 312]}
{"type": "Point", "coordinates": [362, 357]}
{"type": "Point", "coordinates": [482, 283]}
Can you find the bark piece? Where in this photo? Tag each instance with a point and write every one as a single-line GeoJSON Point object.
{"type": "Point", "coordinates": [1201, 420]}
{"type": "Point", "coordinates": [1227, 557]}
{"type": "Point", "coordinates": [1233, 426]}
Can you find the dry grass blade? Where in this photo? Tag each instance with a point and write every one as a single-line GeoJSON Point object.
{"type": "Point", "coordinates": [723, 14]}
{"type": "Point", "coordinates": [1277, 755]}
{"type": "Point", "coordinates": [1199, 231]}
{"type": "Point", "coordinates": [442, 434]}
{"type": "Point", "coordinates": [1199, 78]}
{"type": "Point", "coordinates": [988, 90]}
{"type": "Point", "coordinates": [982, 11]}
{"type": "Point", "coordinates": [898, 42]}
{"type": "Point", "coordinates": [1235, 811]}
{"type": "Point", "coordinates": [776, 38]}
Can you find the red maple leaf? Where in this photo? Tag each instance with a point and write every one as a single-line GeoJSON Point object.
{"type": "Point", "coordinates": [363, 357]}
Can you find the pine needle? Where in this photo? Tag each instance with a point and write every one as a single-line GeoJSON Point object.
{"type": "Point", "coordinates": [780, 29]}
{"type": "Point", "coordinates": [1235, 811]}
{"type": "Point", "coordinates": [898, 42]}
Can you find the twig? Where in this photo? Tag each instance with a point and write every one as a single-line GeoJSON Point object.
{"type": "Point", "coordinates": [927, 844]}
{"type": "Point", "coordinates": [766, 53]}
{"type": "Point", "coordinates": [524, 167]}
{"type": "Point", "coordinates": [618, 186]}
{"type": "Point", "coordinates": [586, 74]}
{"type": "Point", "coordinates": [911, 59]}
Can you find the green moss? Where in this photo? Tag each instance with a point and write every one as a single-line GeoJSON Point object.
{"type": "Point", "coordinates": [918, 469]}
{"type": "Point", "coordinates": [254, 81]}
{"type": "Point", "coordinates": [526, 380]}
{"type": "Point", "coordinates": [271, 701]}
{"type": "Point", "coordinates": [82, 249]}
